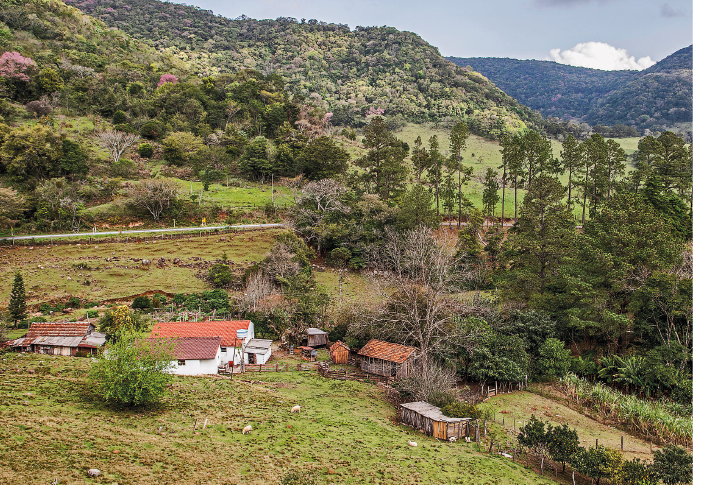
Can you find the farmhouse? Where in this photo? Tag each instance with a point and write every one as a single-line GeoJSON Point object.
{"type": "Point", "coordinates": [430, 420]}
{"type": "Point", "coordinates": [258, 351]}
{"type": "Point", "coordinates": [60, 338]}
{"type": "Point", "coordinates": [227, 330]}
{"type": "Point", "coordinates": [316, 337]}
{"type": "Point", "coordinates": [387, 359]}
{"type": "Point", "coordinates": [195, 355]}
{"type": "Point", "coordinates": [339, 353]}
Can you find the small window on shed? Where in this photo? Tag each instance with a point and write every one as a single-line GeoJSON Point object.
{"type": "Point", "coordinates": [223, 349]}
{"type": "Point", "coordinates": [180, 362]}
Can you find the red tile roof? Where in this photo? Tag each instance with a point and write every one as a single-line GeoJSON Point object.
{"type": "Point", "coordinates": [387, 351]}
{"type": "Point", "coordinates": [227, 330]}
{"type": "Point", "coordinates": [192, 348]}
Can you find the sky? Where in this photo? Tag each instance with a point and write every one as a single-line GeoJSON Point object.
{"type": "Point", "coordinates": [602, 34]}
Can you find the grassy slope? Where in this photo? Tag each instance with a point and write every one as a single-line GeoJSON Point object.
{"type": "Point", "coordinates": [50, 428]}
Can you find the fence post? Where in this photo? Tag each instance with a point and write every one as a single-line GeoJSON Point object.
{"type": "Point", "coordinates": [622, 442]}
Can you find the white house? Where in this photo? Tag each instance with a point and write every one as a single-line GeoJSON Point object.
{"type": "Point", "coordinates": [258, 351]}
{"type": "Point", "coordinates": [195, 355]}
{"type": "Point", "coordinates": [233, 334]}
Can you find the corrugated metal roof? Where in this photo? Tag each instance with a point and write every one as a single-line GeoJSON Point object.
{"type": "Point", "coordinates": [387, 351]}
{"type": "Point", "coordinates": [192, 348]}
{"type": "Point", "coordinates": [57, 341]}
{"type": "Point", "coordinates": [94, 339]}
{"type": "Point", "coordinates": [433, 412]}
{"type": "Point", "coordinates": [225, 329]}
{"type": "Point", "coordinates": [258, 344]}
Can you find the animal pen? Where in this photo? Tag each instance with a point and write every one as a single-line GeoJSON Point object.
{"type": "Point", "coordinates": [430, 420]}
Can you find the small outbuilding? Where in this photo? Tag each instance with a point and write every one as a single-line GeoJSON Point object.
{"type": "Point", "coordinates": [387, 359]}
{"type": "Point", "coordinates": [316, 337]}
{"type": "Point", "coordinates": [429, 419]}
{"type": "Point", "coordinates": [60, 338]}
{"type": "Point", "coordinates": [339, 353]}
{"type": "Point", "coordinates": [258, 351]}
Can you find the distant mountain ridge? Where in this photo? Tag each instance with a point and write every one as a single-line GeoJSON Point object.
{"type": "Point", "coordinates": [348, 72]}
{"type": "Point", "coordinates": [659, 97]}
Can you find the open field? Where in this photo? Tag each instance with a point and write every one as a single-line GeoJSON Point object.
{"type": "Point", "coordinates": [51, 427]}
{"type": "Point", "coordinates": [519, 406]}
{"type": "Point", "coordinates": [60, 271]}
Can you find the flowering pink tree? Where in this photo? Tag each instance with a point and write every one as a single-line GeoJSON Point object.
{"type": "Point", "coordinates": [167, 78]}
{"type": "Point", "coordinates": [375, 111]}
{"type": "Point", "coordinates": [13, 66]}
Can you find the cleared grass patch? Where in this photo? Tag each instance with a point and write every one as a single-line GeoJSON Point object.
{"type": "Point", "coordinates": [51, 428]}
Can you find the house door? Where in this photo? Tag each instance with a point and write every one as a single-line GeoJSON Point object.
{"type": "Point", "coordinates": [251, 359]}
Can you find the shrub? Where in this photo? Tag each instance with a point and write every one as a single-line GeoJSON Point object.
{"type": "Point", "coordinates": [460, 409]}
{"type": "Point", "coordinates": [133, 372]}
{"type": "Point", "coordinates": [141, 303]}
{"type": "Point", "coordinates": [151, 130]}
{"type": "Point", "coordinates": [93, 313]}
{"type": "Point", "coordinates": [126, 128]}
{"type": "Point", "coordinates": [683, 392]}
{"type": "Point", "coordinates": [221, 274]}
{"type": "Point", "coordinates": [45, 308]}
{"type": "Point", "coordinates": [119, 118]}
{"type": "Point", "coordinates": [145, 150]}
{"type": "Point", "coordinates": [442, 399]}
{"type": "Point", "coordinates": [74, 302]}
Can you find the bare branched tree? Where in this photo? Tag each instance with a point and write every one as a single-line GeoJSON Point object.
{"type": "Point", "coordinates": [315, 201]}
{"type": "Point", "coordinates": [115, 142]}
{"type": "Point", "coordinates": [258, 288]}
{"type": "Point", "coordinates": [154, 195]}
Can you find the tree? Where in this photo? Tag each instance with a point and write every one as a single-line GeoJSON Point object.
{"type": "Point", "coordinates": [167, 78]}
{"type": "Point", "coordinates": [563, 443]}
{"type": "Point", "coordinates": [415, 209]}
{"type": "Point", "coordinates": [121, 320]}
{"type": "Point", "coordinates": [458, 136]}
{"type": "Point", "coordinates": [115, 142]}
{"type": "Point", "coordinates": [383, 163]}
{"type": "Point", "coordinates": [220, 274]}
{"type": "Point", "coordinates": [133, 372]}
{"type": "Point", "coordinates": [15, 66]}
{"type": "Point", "coordinates": [636, 472]}
{"type": "Point", "coordinates": [534, 436]}
{"type": "Point", "coordinates": [16, 306]}
{"type": "Point", "coordinates": [58, 202]}
{"type": "Point", "coordinates": [672, 465]}
{"type": "Point", "coordinates": [29, 154]}
{"type": "Point", "coordinates": [434, 171]}
{"type": "Point", "coordinates": [321, 159]}
{"type": "Point", "coordinates": [154, 195]}
{"type": "Point", "coordinates": [554, 360]}
{"type": "Point", "coordinates": [596, 462]}
{"type": "Point", "coordinates": [339, 258]}
{"type": "Point", "coordinates": [571, 159]}
{"type": "Point", "coordinates": [179, 147]}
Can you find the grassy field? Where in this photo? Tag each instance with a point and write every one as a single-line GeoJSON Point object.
{"type": "Point", "coordinates": [60, 271]}
{"type": "Point", "coordinates": [519, 406]}
{"type": "Point", "coordinates": [51, 427]}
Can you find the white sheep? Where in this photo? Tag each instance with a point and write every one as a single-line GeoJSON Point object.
{"type": "Point", "coordinates": [412, 443]}
{"type": "Point", "coordinates": [247, 429]}
{"type": "Point", "coordinates": [467, 439]}
{"type": "Point", "coordinates": [452, 439]}
{"type": "Point", "coordinates": [296, 409]}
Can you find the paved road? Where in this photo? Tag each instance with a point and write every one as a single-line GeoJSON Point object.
{"type": "Point", "coordinates": [143, 231]}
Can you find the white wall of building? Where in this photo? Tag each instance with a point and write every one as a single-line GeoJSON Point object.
{"type": "Point", "coordinates": [197, 367]}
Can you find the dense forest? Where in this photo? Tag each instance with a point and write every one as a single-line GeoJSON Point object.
{"type": "Point", "coordinates": [91, 115]}
{"type": "Point", "coordinates": [657, 98]}
{"type": "Point", "coordinates": [346, 71]}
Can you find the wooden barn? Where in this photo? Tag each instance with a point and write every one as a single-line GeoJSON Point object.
{"type": "Point", "coordinates": [316, 337]}
{"type": "Point", "coordinates": [430, 420]}
{"type": "Point", "coordinates": [387, 359]}
{"type": "Point", "coordinates": [339, 353]}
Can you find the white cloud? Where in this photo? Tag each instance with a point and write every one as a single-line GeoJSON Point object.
{"type": "Point", "coordinates": [599, 55]}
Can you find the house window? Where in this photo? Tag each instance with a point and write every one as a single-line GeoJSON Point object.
{"type": "Point", "coordinates": [223, 349]}
{"type": "Point", "coordinates": [180, 362]}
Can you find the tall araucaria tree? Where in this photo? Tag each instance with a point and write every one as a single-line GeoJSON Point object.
{"type": "Point", "coordinates": [17, 307]}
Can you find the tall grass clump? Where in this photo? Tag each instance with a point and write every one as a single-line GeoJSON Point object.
{"type": "Point", "coordinates": [665, 421]}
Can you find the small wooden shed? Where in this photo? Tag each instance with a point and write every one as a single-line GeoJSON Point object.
{"type": "Point", "coordinates": [316, 337]}
{"type": "Point", "coordinates": [387, 359]}
{"type": "Point", "coordinates": [339, 353]}
{"type": "Point", "coordinates": [430, 420]}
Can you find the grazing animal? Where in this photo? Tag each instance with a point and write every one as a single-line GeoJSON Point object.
{"type": "Point", "coordinates": [247, 429]}
{"type": "Point", "coordinates": [467, 439]}
{"type": "Point", "coordinates": [412, 443]}
{"type": "Point", "coordinates": [452, 439]}
{"type": "Point", "coordinates": [296, 409]}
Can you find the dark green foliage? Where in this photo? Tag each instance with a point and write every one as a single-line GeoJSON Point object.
{"type": "Point", "coordinates": [442, 399]}
{"type": "Point", "coordinates": [73, 162]}
{"type": "Point", "coordinates": [16, 306]}
{"type": "Point", "coordinates": [554, 360]}
{"type": "Point", "coordinates": [297, 477]}
{"type": "Point", "coordinates": [461, 409]}
{"type": "Point", "coordinates": [151, 130]}
{"type": "Point", "coordinates": [119, 118]}
{"type": "Point", "coordinates": [636, 472]}
{"type": "Point", "coordinates": [534, 435]}
{"type": "Point", "coordinates": [220, 274]}
{"type": "Point", "coordinates": [563, 443]}
{"type": "Point", "coordinates": [133, 372]}
{"type": "Point", "coordinates": [121, 319]}
{"type": "Point", "coordinates": [597, 462]}
{"type": "Point", "coordinates": [321, 159]}
{"type": "Point", "coordinates": [141, 303]}
{"type": "Point", "coordinates": [415, 209]}
{"type": "Point", "coordinates": [672, 465]}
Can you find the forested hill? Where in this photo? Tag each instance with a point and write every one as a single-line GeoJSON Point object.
{"type": "Point", "coordinates": [657, 98]}
{"type": "Point", "coordinates": [348, 72]}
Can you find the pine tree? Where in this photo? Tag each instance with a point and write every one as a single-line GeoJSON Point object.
{"type": "Point", "coordinates": [17, 308]}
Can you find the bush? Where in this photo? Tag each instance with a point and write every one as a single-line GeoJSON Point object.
{"type": "Point", "coordinates": [123, 168]}
{"type": "Point", "coordinates": [145, 150]}
{"type": "Point", "coordinates": [220, 274]}
{"type": "Point", "coordinates": [45, 308]}
{"type": "Point", "coordinates": [683, 392]}
{"type": "Point", "coordinates": [119, 118]}
{"type": "Point", "coordinates": [141, 303]}
{"type": "Point", "coordinates": [133, 372]}
{"type": "Point", "coordinates": [442, 399]}
{"type": "Point", "coordinates": [126, 128]}
{"type": "Point", "coordinates": [151, 130]}
{"type": "Point", "coordinates": [93, 313]}
{"type": "Point", "coordinates": [74, 302]}
{"type": "Point", "coordinates": [461, 410]}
